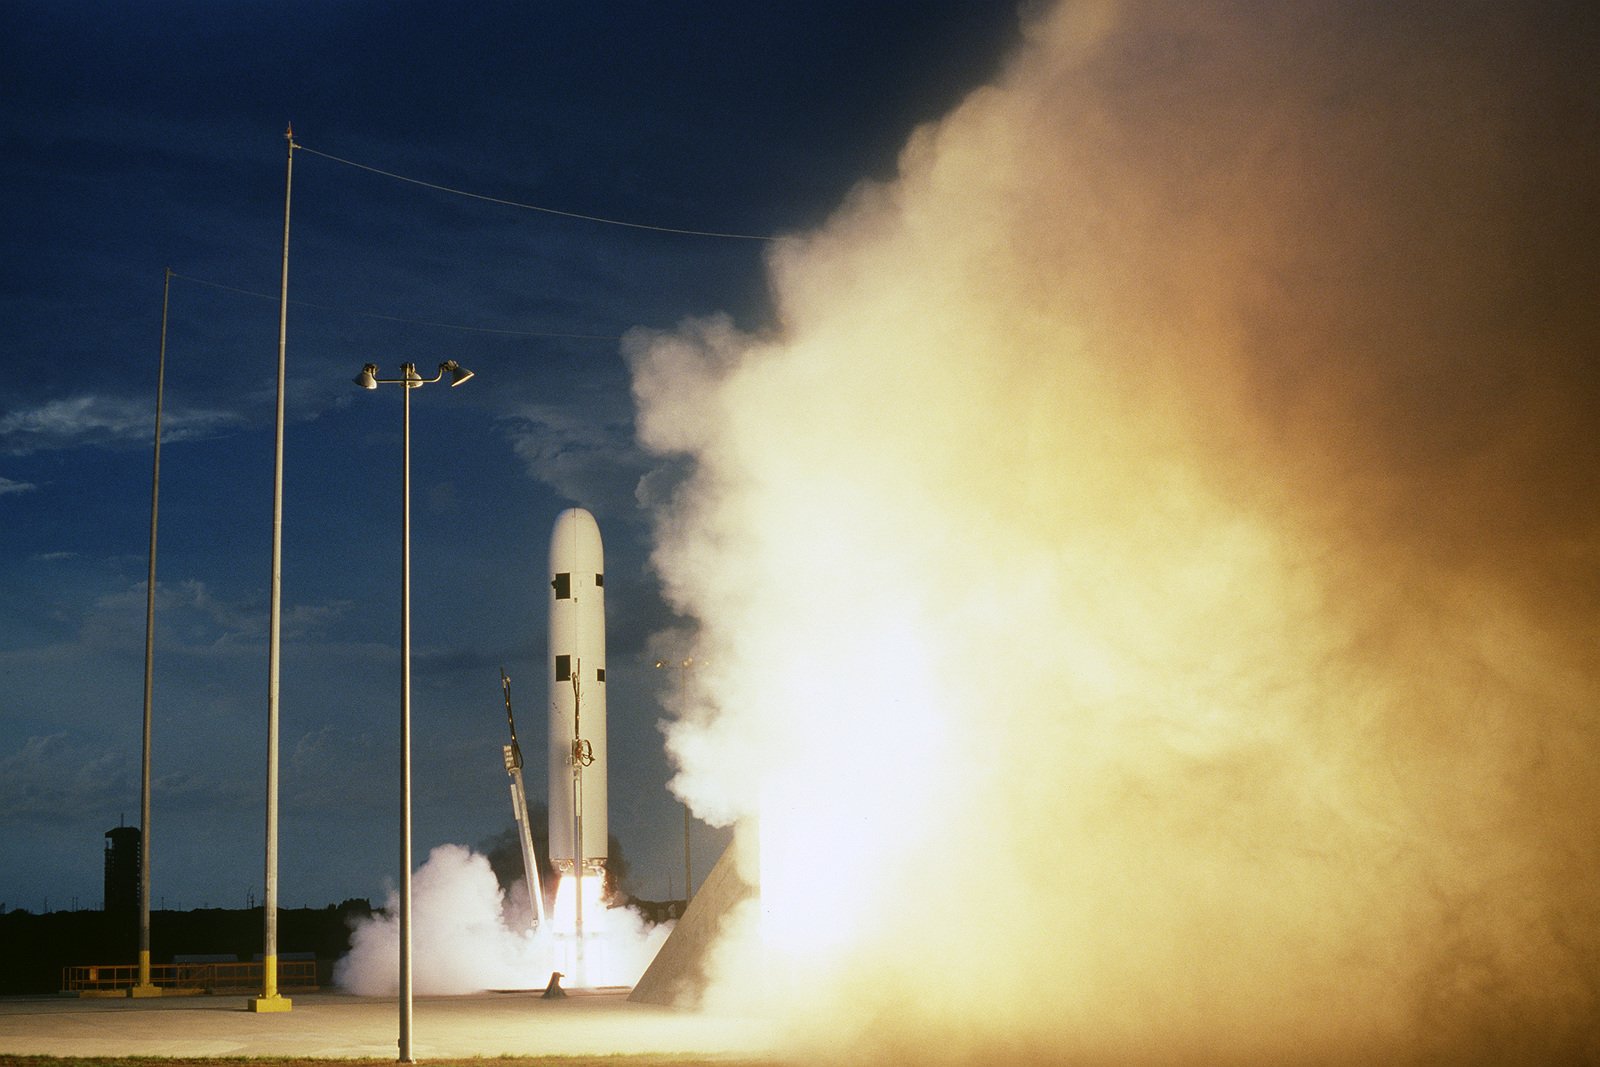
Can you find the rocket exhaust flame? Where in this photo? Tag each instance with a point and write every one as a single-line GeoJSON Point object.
{"type": "Point", "coordinates": [565, 911]}
{"type": "Point", "coordinates": [1176, 491]}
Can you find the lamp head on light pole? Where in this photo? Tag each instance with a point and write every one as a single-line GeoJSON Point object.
{"type": "Point", "coordinates": [368, 378]}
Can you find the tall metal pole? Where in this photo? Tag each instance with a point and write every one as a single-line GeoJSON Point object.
{"type": "Point", "coordinates": [407, 372]}
{"type": "Point", "coordinates": [409, 379]}
{"type": "Point", "coordinates": [144, 987]}
{"type": "Point", "coordinates": [269, 1000]}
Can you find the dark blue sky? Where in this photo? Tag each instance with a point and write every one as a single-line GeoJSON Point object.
{"type": "Point", "coordinates": [141, 137]}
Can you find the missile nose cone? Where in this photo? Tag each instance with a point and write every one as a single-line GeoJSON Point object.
{"type": "Point", "coordinates": [575, 530]}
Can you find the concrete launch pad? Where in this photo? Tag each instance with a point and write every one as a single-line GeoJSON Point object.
{"type": "Point", "coordinates": [335, 1025]}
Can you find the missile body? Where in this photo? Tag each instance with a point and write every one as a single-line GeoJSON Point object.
{"type": "Point", "coordinates": [577, 714]}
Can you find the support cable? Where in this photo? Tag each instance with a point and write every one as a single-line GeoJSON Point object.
{"type": "Point", "coordinates": [400, 319]}
{"type": "Point", "coordinates": [535, 207]}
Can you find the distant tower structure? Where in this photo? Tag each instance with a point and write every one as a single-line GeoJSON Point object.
{"type": "Point", "coordinates": [124, 859]}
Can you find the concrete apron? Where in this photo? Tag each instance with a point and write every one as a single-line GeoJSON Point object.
{"type": "Point", "coordinates": [333, 1025]}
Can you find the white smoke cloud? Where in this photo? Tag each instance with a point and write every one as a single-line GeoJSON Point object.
{"type": "Point", "coordinates": [1140, 584]}
{"type": "Point", "coordinates": [466, 937]}
{"type": "Point", "coordinates": [459, 943]}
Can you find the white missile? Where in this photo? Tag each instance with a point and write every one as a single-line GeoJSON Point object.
{"type": "Point", "coordinates": [577, 693]}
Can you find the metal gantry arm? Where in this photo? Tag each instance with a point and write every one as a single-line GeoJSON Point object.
{"type": "Point", "coordinates": [519, 811]}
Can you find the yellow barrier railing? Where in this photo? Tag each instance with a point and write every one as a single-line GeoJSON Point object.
{"type": "Point", "coordinates": [202, 977]}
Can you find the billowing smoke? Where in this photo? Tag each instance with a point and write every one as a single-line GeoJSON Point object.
{"type": "Point", "coordinates": [1148, 576]}
{"type": "Point", "coordinates": [468, 936]}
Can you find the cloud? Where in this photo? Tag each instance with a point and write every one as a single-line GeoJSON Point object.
{"type": "Point", "coordinates": [64, 777]}
{"type": "Point", "coordinates": [317, 775]}
{"type": "Point", "coordinates": [105, 421]}
{"type": "Point", "coordinates": [191, 616]}
{"type": "Point", "coordinates": [589, 460]}
{"type": "Point", "coordinates": [52, 779]}
{"type": "Point", "coordinates": [308, 620]}
{"type": "Point", "coordinates": [9, 486]}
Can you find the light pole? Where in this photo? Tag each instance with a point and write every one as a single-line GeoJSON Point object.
{"type": "Point", "coordinates": [683, 667]}
{"type": "Point", "coordinates": [409, 379]}
{"type": "Point", "coordinates": [269, 1000]}
{"type": "Point", "coordinates": [145, 987]}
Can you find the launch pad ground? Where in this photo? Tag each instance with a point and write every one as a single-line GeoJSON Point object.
{"type": "Point", "coordinates": [335, 1025]}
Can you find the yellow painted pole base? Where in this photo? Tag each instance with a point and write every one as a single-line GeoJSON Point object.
{"type": "Point", "coordinates": [269, 999]}
{"type": "Point", "coordinates": [273, 1003]}
{"type": "Point", "coordinates": [144, 991]}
